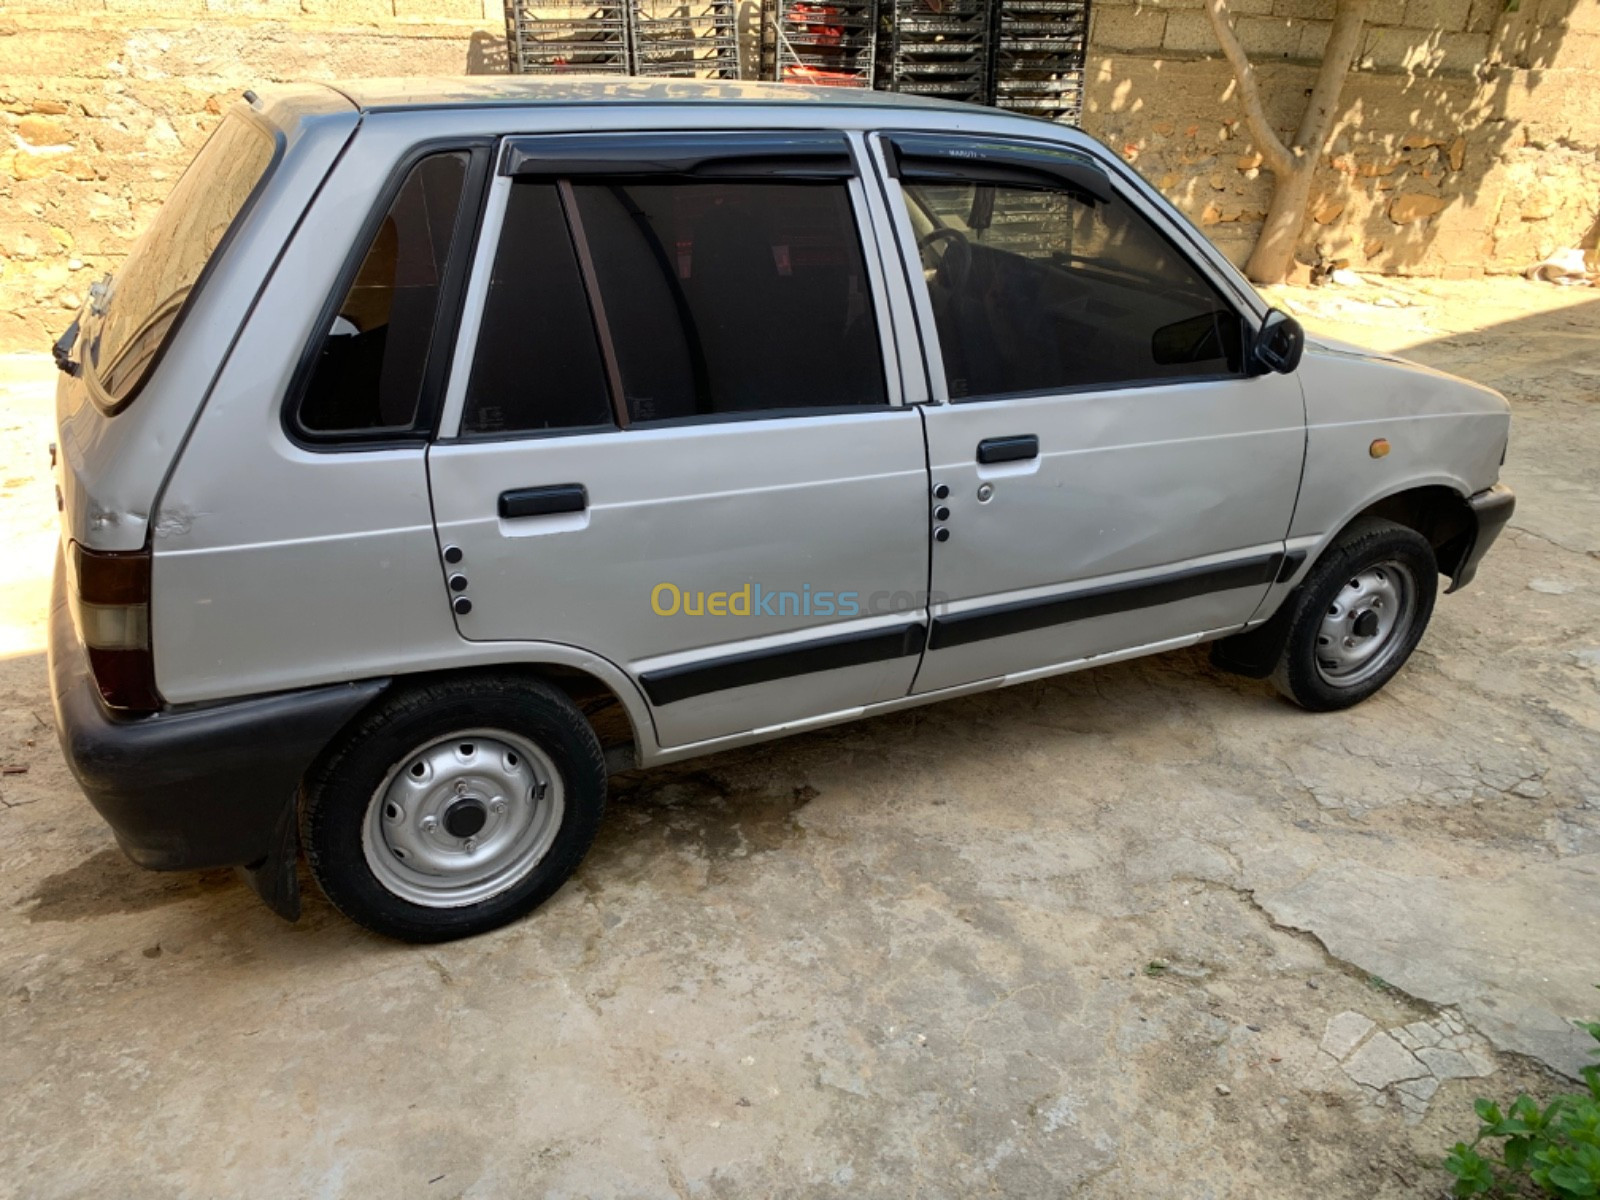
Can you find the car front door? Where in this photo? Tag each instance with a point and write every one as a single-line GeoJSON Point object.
{"type": "Point", "coordinates": [673, 435]}
{"type": "Point", "coordinates": [1108, 475]}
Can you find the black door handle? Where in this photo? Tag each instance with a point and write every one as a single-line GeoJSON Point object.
{"type": "Point", "coordinates": [1008, 449]}
{"type": "Point", "coordinates": [543, 501]}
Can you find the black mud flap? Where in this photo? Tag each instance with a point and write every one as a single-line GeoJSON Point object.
{"type": "Point", "coordinates": [276, 878]}
{"type": "Point", "coordinates": [1255, 652]}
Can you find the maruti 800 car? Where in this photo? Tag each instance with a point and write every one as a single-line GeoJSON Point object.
{"type": "Point", "coordinates": [446, 445]}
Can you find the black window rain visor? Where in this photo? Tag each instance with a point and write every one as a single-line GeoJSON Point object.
{"type": "Point", "coordinates": [934, 158]}
{"type": "Point", "coordinates": [763, 155]}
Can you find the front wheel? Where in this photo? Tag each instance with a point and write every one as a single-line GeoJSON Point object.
{"type": "Point", "coordinates": [454, 807]}
{"type": "Point", "coordinates": [1361, 612]}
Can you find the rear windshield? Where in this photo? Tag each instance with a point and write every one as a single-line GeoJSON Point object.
{"type": "Point", "coordinates": [151, 291]}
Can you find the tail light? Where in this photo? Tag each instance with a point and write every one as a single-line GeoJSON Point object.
{"type": "Point", "coordinates": [110, 598]}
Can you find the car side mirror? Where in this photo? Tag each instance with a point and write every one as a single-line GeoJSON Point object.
{"type": "Point", "coordinates": [1278, 345]}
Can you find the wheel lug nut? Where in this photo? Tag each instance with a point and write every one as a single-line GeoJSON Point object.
{"type": "Point", "coordinates": [429, 824]}
{"type": "Point", "coordinates": [497, 807]}
{"type": "Point", "coordinates": [470, 845]}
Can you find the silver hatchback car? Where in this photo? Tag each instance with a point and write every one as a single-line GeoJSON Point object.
{"type": "Point", "coordinates": [446, 445]}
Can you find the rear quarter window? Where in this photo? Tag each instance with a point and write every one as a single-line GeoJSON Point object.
{"type": "Point", "coordinates": [162, 276]}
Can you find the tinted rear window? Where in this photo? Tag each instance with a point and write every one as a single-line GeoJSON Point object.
{"type": "Point", "coordinates": [370, 368]}
{"type": "Point", "coordinates": [538, 364]}
{"type": "Point", "coordinates": [163, 271]}
{"type": "Point", "coordinates": [734, 297]}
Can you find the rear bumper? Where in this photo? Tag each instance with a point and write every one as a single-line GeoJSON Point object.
{"type": "Point", "coordinates": [194, 788]}
{"type": "Point", "coordinates": [1491, 509]}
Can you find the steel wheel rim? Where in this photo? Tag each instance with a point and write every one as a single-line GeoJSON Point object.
{"type": "Point", "coordinates": [463, 818]}
{"type": "Point", "coordinates": [1366, 623]}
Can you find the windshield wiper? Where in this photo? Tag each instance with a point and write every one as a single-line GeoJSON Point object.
{"type": "Point", "coordinates": [62, 350]}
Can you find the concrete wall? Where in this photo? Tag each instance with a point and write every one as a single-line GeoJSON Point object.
{"type": "Point", "coordinates": [1468, 141]}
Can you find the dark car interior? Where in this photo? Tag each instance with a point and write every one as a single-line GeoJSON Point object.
{"type": "Point", "coordinates": [1035, 290]}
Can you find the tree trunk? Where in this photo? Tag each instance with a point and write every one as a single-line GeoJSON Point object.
{"type": "Point", "coordinates": [1273, 256]}
{"type": "Point", "coordinates": [1293, 166]}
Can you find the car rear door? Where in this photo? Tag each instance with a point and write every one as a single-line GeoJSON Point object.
{"type": "Point", "coordinates": [1110, 477]}
{"type": "Point", "coordinates": [674, 435]}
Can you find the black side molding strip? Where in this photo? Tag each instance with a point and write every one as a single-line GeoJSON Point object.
{"type": "Point", "coordinates": [1025, 615]}
{"type": "Point", "coordinates": [543, 501]}
{"type": "Point", "coordinates": [671, 684]}
{"type": "Point", "coordinates": [1291, 564]}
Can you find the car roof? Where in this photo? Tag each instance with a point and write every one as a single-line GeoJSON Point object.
{"type": "Point", "coordinates": [422, 92]}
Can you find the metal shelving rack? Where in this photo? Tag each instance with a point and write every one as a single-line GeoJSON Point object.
{"type": "Point", "coordinates": [1038, 61]}
{"type": "Point", "coordinates": [545, 38]}
{"type": "Point", "coordinates": [696, 38]}
{"type": "Point", "coordinates": [936, 48]}
{"type": "Point", "coordinates": [829, 42]}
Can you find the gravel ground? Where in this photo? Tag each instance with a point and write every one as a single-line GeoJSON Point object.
{"type": "Point", "coordinates": [1143, 931]}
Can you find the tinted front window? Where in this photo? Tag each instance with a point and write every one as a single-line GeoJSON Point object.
{"type": "Point", "coordinates": [164, 267]}
{"type": "Point", "coordinates": [733, 297]}
{"type": "Point", "coordinates": [368, 374]}
{"type": "Point", "coordinates": [1036, 290]}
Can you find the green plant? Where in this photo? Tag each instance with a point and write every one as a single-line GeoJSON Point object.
{"type": "Point", "coordinates": [1552, 1150]}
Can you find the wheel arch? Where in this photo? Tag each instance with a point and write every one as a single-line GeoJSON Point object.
{"type": "Point", "coordinates": [602, 702]}
{"type": "Point", "coordinates": [606, 697]}
{"type": "Point", "coordinates": [1438, 511]}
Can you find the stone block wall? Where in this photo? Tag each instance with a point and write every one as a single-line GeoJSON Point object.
{"type": "Point", "coordinates": [104, 102]}
{"type": "Point", "coordinates": [1468, 140]}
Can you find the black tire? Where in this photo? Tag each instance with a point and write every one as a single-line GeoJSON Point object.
{"type": "Point", "coordinates": [1305, 673]}
{"type": "Point", "coordinates": [344, 786]}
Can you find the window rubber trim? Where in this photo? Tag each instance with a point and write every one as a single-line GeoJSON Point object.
{"type": "Point", "coordinates": [591, 286]}
{"type": "Point", "coordinates": [710, 419]}
{"type": "Point", "coordinates": [792, 413]}
{"type": "Point", "coordinates": [447, 317]}
{"type": "Point", "coordinates": [91, 371]}
{"type": "Point", "coordinates": [1092, 389]}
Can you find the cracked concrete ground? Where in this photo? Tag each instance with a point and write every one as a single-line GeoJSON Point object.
{"type": "Point", "coordinates": [1145, 931]}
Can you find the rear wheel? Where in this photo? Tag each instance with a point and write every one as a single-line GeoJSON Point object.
{"type": "Point", "coordinates": [1361, 612]}
{"type": "Point", "coordinates": [454, 807]}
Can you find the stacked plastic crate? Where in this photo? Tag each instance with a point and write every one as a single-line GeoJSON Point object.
{"type": "Point", "coordinates": [1039, 56]}
{"type": "Point", "coordinates": [697, 38]}
{"type": "Point", "coordinates": [936, 48]}
{"type": "Point", "coordinates": [546, 38]}
{"type": "Point", "coordinates": [828, 42]}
